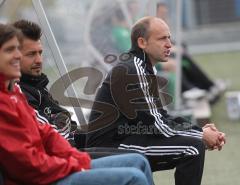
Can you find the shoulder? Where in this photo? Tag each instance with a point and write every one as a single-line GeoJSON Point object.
{"type": "Point", "coordinates": [126, 64]}
{"type": "Point", "coordinates": [8, 101]}
{"type": "Point", "coordinates": [29, 91]}
{"type": "Point", "coordinates": [26, 87]}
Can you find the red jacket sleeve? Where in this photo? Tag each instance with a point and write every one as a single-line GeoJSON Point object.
{"type": "Point", "coordinates": [25, 158]}
{"type": "Point", "coordinates": [56, 145]}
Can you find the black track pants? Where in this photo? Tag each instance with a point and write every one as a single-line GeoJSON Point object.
{"type": "Point", "coordinates": [184, 153]}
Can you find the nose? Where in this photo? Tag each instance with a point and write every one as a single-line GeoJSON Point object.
{"type": "Point", "coordinates": [18, 54]}
{"type": "Point", "coordinates": [38, 58]}
{"type": "Point", "coordinates": [169, 43]}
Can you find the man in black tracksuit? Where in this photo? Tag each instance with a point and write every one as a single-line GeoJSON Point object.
{"type": "Point", "coordinates": [33, 83]}
{"type": "Point", "coordinates": [47, 109]}
{"type": "Point", "coordinates": [128, 114]}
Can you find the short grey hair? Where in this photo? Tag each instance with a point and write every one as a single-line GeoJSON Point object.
{"type": "Point", "coordinates": [140, 29]}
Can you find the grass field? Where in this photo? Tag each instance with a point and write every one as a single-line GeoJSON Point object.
{"type": "Point", "coordinates": [221, 168]}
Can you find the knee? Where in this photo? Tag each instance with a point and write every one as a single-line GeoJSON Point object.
{"type": "Point", "coordinates": [137, 177]}
{"type": "Point", "coordinates": [140, 159]}
{"type": "Point", "coordinates": [200, 146]}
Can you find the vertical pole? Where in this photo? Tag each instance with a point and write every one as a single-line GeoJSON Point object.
{"type": "Point", "coordinates": [57, 57]}
{"type": "Point", "coordinates": [178, 54]}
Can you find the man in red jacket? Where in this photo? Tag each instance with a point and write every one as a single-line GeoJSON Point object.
{"type": "Point", "coordinates": [33, 153]}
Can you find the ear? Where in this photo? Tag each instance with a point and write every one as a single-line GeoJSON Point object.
{"type": "Point", "coordinates": [142, 42]}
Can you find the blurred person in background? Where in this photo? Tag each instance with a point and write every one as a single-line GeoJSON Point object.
{"type": "Point", "coordinates": [162, 11]}
{"type": "Point", "coordinates": [133, 9]}
{"type": "Point", "coordinates": [195, 82]}
{"type": "Point", "coordinates": [120, 32]}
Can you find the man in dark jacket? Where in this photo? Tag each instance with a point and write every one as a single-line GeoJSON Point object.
{"type": "Point", "coordinates": [128, 114]}
{"type": "Point", "coordinates": [34, 83]}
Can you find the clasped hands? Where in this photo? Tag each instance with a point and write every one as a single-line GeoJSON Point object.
{"type": "Point", "coordinates": [213, 138]}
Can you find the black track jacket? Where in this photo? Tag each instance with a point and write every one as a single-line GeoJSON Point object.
{"type": "Point", "coordinates": [128, 102]}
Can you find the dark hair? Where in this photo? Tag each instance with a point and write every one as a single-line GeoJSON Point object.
{"type": "Point", "coordinates": [140, 29]}
{"type": "Point", "coordinates": [29, 29]}
{"type": "Point", "coordinates": [7, 32]}
{"type": "Point", "coordinates": [161, 4]}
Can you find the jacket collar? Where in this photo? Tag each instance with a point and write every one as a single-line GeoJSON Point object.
{"type": "Point", "coordinates": [143, 56]}
{"type": "Point", "coordinates": [35, 81]}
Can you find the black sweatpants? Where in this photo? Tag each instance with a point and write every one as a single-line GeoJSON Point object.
{"type": "Point", "coordinates": [194, 76]}
{"type": "Point", "coordinates": [184, 153]}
